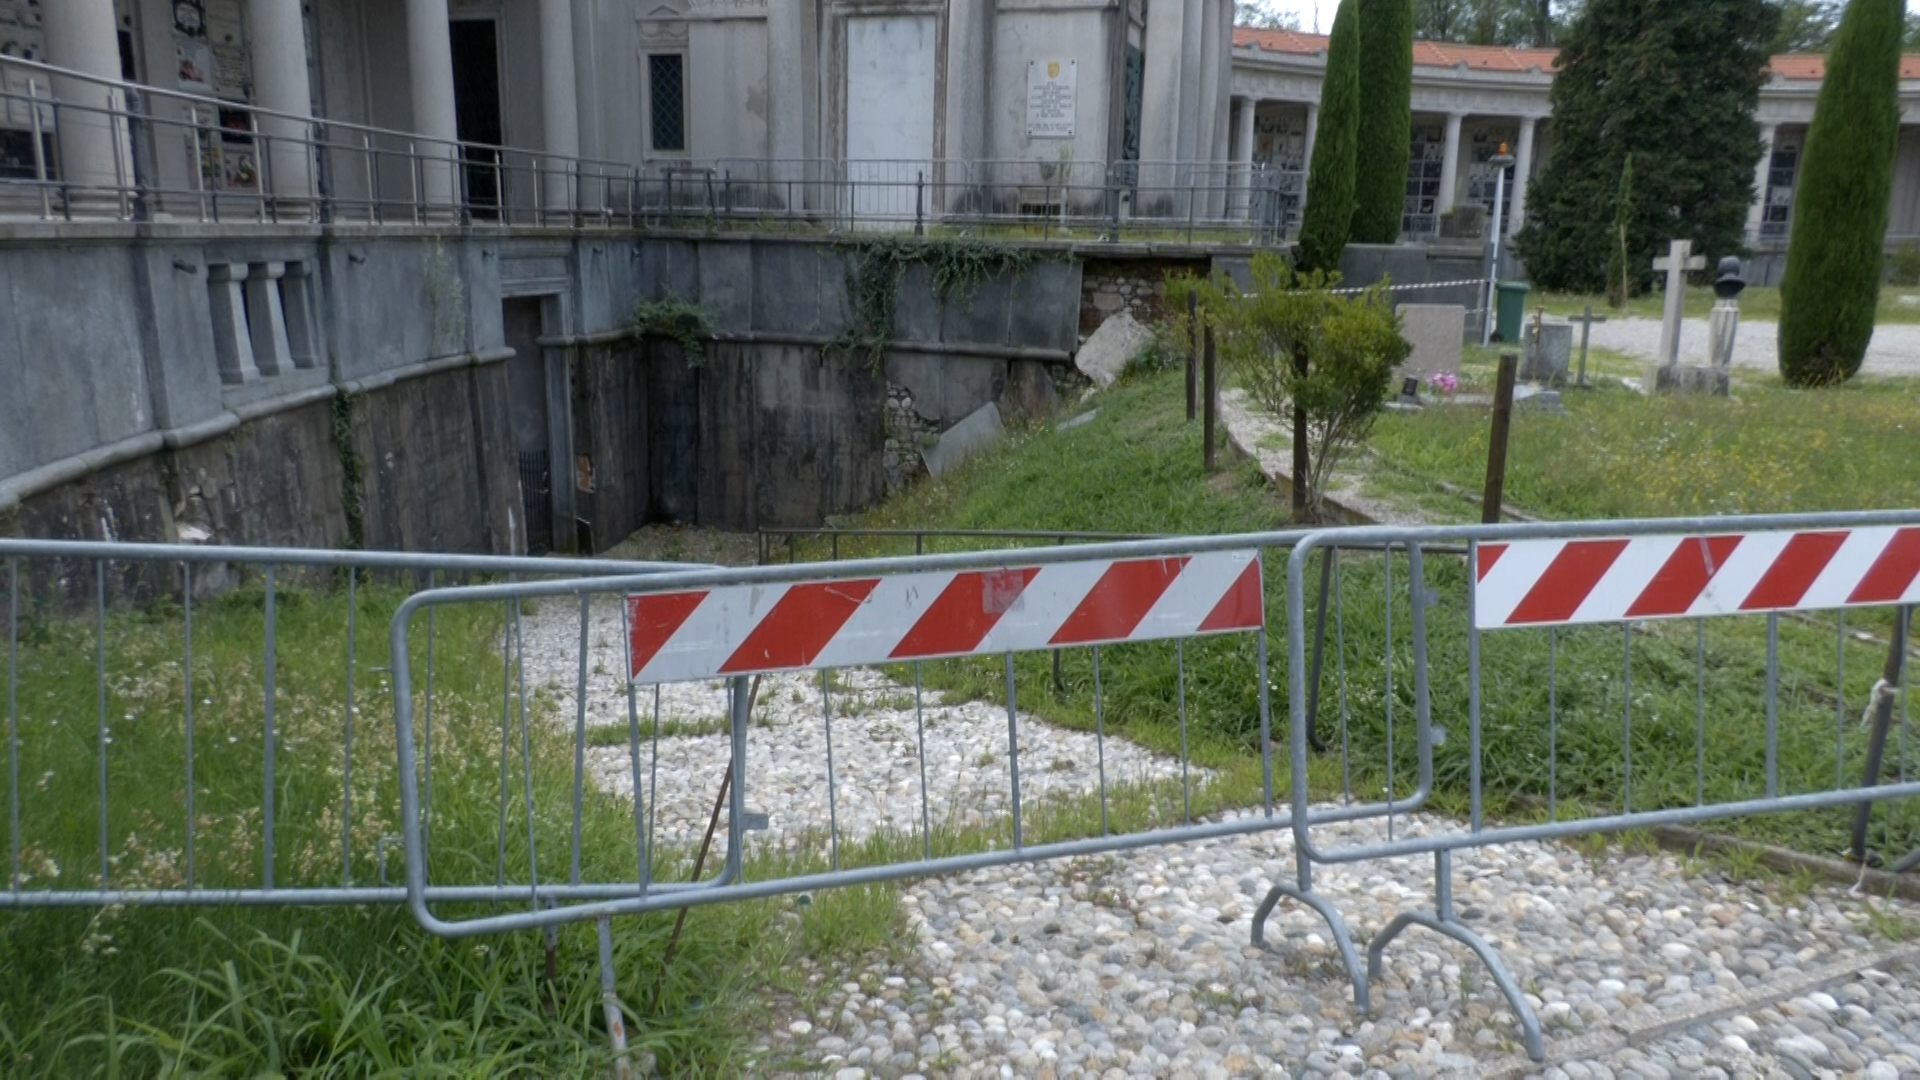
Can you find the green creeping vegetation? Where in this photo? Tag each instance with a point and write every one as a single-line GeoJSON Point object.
{"type": "Point", "coordinates": [1619, 454]}
{"type": "Point", "coordinates": [875, 268]}
{"type": "Point", "coordinates": [353, 482]}
{"type": "Point", "coordinates": [683, 322]}
{"type": "Point", "coordinates": [341, 991]}
{"type": "Point", "coordinates": [1136, 467]}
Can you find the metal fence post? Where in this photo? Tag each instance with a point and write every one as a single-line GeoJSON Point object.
{"type": "Point", "coordinates": [1212, 405]}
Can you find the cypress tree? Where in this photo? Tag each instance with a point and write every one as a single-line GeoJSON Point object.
{"type": "Point", "coordinates": [1832, 283]}
{"type": "Point", "coordinates": [1386, 119]}
{"type": "Point", "coordinates": [1675, 85]}
{"type": "Point", "coordinates": [1329, 213]}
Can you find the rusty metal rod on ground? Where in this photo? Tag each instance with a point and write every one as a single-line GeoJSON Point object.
{"type": "Point", "coordinates": [700, 860]}
{"type": "Point", "coordinates": [1497, 449]}
{"type": "Point", "coordinates": [1884, 696]}
{"type": "Point", "coordinates": [1212, 404]}
{"type": "Point", "coordinates": [1193, 350]}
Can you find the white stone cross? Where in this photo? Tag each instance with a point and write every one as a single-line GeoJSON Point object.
{"type": "Point", "coordinates": [1678, 260]}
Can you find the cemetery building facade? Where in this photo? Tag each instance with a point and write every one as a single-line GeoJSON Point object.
{"type": "Point", "coordinates": [1468, 100]}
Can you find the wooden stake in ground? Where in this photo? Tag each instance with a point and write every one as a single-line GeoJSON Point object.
{"type": "Point", "coordinates": [1193, 348]}
{"type": "Point", "coordinates": [1213, 398]}
{"type": "Point", "coordinates": [1497, 448]}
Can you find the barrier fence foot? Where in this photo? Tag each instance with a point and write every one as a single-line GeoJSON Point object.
{"type": "Point", "coordinates": [1442, 922]}
{"type": "Point", "coordinates": [1342, 940]}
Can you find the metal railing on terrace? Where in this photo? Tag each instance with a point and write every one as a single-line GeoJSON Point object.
{"type": "Point", "coordinates": [98, 149]}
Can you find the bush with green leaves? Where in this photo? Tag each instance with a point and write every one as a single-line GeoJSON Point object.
{"type": "Point", "coordinates": [1835, 253]}
{"type": "Point", "coordinates": [1325, 224]}
{"type": "Point", "coordinates": [1291, 342]}
{"type": "Point", "coordinates": [683, 322]}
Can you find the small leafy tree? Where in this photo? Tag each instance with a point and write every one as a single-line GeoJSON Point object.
{"type": "Point", "coordinates": [1386, 120]}
{"type": "Point", "coordinates": [1835, 252]}
{"type": "Point", "coordinates": [1298, 348]}
{"type": "Point", "coordinates": [1328, 216]}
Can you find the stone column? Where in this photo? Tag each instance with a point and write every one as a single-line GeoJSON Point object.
{"type": "Point", "coordinates": [787, 90]}
{"type": "Point", "coordinates": [430, 73]}
{"type": "Point", "coordinates": [280, 83]}
{"type": "Point", "coordinates": [559, 108]}
{"type": "Point", "coordinates": [93, 148]}
{"type": "Point", "coordinates": [1243, 157]}
{"type": "Point", "coordinates": [1450, 163]}
{"type": "Point", "coordinates": [1193, 54]}
{"type": "Point", "coordinates": [1756, 213]}
{"type": "Point", "coordinates": [1160, 108]}
{"type": "Point", "coordinates": [1522, 173]}
{"type": "Point", "coordinates": [1306, 155]}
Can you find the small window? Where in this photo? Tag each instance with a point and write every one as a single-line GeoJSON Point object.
{"type": "Point", "coordinates": [667, 95]}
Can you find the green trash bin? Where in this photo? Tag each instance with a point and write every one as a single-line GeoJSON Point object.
{"type": "Point", "coordinates": [1512, 310]}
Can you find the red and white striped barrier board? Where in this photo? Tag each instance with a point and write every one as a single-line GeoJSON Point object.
{"type": "Point", "coordinates": [1562, 582]}
{"type": "Point", "coordinates": [748, 629]}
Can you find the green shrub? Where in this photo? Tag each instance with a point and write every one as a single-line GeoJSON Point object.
{"type": "Point", "coordinates": [1291, 342]}
{"type": "Point", "coordinates": [1386, 120]}
{"type": "Point", "coordinates": [1834, 254]}
{"type": "Point", "coordinates": [1328, 216]}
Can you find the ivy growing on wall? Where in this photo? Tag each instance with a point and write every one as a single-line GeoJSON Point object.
{"type": "Point", "coordinates": [353, 483]}
{"type": "Point", "coordinates": [875, 268]}
{"type": "Point", "coordinates": [683, 322]}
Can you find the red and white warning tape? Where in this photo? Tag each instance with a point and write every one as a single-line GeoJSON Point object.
{"type": "Point", "coordinates": [1562, 582]}
{"type": "Point", "coordinates": [748, 629]}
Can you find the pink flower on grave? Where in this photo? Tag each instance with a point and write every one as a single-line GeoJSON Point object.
{"type": "Point", "coordinates": [1443, 382]}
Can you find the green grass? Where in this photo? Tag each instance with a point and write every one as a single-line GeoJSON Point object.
{"type": "Point", "coordinates": [336, 991]}
{"type": "Point", "coordinates": [1759, 304]}
{"type": "Point", "coordinates": [1137, 468]}
{"type": "Point", "coordinates": [1617, 453]}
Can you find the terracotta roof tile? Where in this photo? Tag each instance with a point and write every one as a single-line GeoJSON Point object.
{"type": "Point", "coordinates": [1793, 66]}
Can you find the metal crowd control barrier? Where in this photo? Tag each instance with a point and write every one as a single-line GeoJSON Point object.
{"type": "Point", "coordinates": [705, 625]}
{"type": "Point", "coordinates": [1635, 579]}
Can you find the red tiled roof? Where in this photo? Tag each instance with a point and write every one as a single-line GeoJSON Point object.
{"type": "Point", "coordinates": [1799, 67]}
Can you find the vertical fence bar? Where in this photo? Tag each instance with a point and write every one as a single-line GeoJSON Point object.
{"type": "Point", "coordinates": [1700, 714]}
{"type": "Point", "coordinates": [1839, 700]}
{"type": "Point", "coordinates": [346, 785]}
{"type": "Point", "coordinates": [100, 691]}
{"type": "Point", "coordinates": [186, 604]}
{"type": "Point", "coordinates": [1340, 666]}
{"type": "Point", "coordinates": [1773, 704]}
{"type": "Point", "coordinates": [272, 649]}
{"type": "Point", "coordinates": [1100, 746]}
{"type": "Point", "coordinates": [1013, 753]}
{"type": "Point", "coordinates": [833, 797]}
{"type": "Point", "coordinates": [426, 721]}
{"type": "Point", "coordinates": [633, 751]}
{"type": "Point", "coordinates": [1553, 723]}
{"type": "Point", "coordinates": [506, 729]}
{"type": "Point", "coordinates": [920, 729]}
{"type": "Point", "coordinates": [1266, 720]}
{"type": "Point", "coordinates": [1387, 554]}
{"type": "Point", "coordinates": [526, 766]}
{"type": "Point", "coordinates": [580, 737]}
{"type": "Point", "coordinates": [1186, 785]}
{"type": "Point", "coordinates": [1626, 719]}
{"type": "Point", "coordinates": [1473, 687]}
{"type": "Point", "coordinates": [39, 152]}
{"type": "Point", "coordinates": [12, 723]}
{"type": "Point", "coordinates": [653, 792]}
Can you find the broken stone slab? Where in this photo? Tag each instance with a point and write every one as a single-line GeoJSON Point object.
{"type": "Point", "coordinates": [1691, 379]}
{"type": "Point", "coordinates": [1082, 420]}
{"type": "Point", "coordinates": [978, 432]}
{"type": "Point", "coordinates": [1118, 342]}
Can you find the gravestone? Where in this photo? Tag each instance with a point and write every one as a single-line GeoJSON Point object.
{"type": "Point", "coordinates": [1546, 352]}
{"type": "Point", "coordinates": [1715, 376]}
{"type": "Point", "coordinates": [1675, 263]}
{"type": "Point", "coordinates": [1436, 332]}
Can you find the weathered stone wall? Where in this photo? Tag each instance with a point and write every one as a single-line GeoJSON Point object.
{"type": "Point", "coordinates": [1136, 286]}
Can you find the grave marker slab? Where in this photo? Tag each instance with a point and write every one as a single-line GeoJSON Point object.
{"type": "Point", "coordinates": [1436, 332]}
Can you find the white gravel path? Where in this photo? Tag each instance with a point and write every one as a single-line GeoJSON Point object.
{"type": "Point", "coordinates": [1895, 349]}
{"type": "Point", "coordinates": [1140, 964]}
